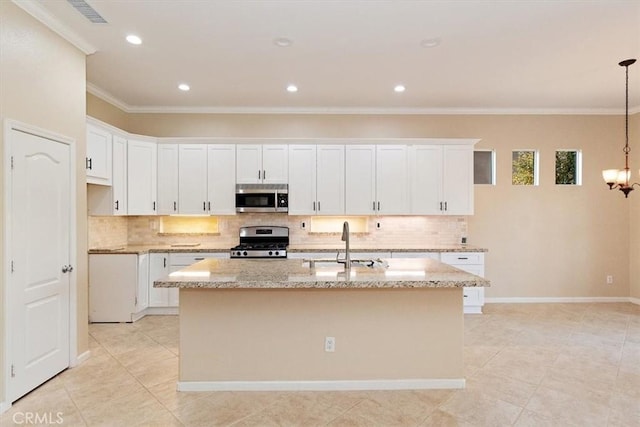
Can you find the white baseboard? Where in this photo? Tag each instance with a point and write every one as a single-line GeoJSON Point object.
{"type": "Point", "coordinates": [4, 407]}
{"type": "Point", "coordinates": [346, 385]}
{"type": "Point", "coordinates": [81, 358]}
{"type": "Point", "coordinates": [525, 300]}
{"type": "Point", "coordinates": [162, 311]}
{"type": "Point", "coordinates": [635, 300]}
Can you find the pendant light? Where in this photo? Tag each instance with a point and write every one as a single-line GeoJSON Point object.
{"type": "Point", "coordinates": [620, 178]}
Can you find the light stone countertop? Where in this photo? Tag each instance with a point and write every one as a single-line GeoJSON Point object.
{"type": "Point", "coordinates": [296, 274]}
{"type": "Point", "coordinates": [299, 248]}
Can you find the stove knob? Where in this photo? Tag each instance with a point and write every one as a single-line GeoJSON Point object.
{"type": "Point", "coordinates": [238, 253]}
{"type": "Point", "coordinates": [270, 253]}
{"type": "Point", "coordinates": [277, 253]}
{"type": "Point", "coordinates": [244, 253]}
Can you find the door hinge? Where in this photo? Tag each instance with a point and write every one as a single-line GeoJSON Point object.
{"type": "Point", "coordinates": [136, 301]}
{"type": "Point", "coordinates": [13, 371]}
{"type": "Point", "coordinates": [12, 268]}
{"type": "Point", "coordinates": [11, 162]}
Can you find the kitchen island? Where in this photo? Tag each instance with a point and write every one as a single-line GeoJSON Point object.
{"type": "Point", "coordinates": [281, 325]}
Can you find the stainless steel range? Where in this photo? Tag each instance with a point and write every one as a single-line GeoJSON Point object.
{"type": "Point", "coordinates": [262, 242]}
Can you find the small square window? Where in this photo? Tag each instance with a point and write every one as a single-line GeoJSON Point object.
{"type": "Point", "coordinates": [484, 167]}
{"type": "Point", "coordinates": [568, 167]}
{"type": "Point", "coordinates": [524, 167]}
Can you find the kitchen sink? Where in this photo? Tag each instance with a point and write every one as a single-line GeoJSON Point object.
{"type": "Point", "coordinates": [368, 262]}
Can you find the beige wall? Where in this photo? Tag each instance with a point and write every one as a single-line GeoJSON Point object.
{"type": "Point", "coordinates": [102, 110]}
{"type": "Point", "coordinates": [544, 241]}
{"type": "Point", "coordinates": [43, 84]}
{"type": "Point", "coordinates": [634, 211]}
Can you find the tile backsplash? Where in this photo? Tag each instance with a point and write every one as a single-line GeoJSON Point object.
{"type": "Point", "coordinates": [109, 231]}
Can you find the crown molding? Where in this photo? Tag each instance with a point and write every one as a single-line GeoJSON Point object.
{"type": "Point", "coordinates": [106, 96]}
{"type": "Point", "coordinates": [36, 10]}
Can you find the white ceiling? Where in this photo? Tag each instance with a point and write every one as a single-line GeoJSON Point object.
{"type": "Point", "coordinates": [346, 56]}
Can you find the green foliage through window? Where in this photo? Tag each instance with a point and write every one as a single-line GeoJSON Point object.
{"type": "Point", "coordinates": [523, 168]}
{"type": "Point", "coordinates": [567, 167]}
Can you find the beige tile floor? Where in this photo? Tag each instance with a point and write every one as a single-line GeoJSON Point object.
{"type": "Point", "coordinates": [526, 365]}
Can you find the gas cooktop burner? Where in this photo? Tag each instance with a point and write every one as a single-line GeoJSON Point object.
{"type": "Point", "coordinates": [262, 242]}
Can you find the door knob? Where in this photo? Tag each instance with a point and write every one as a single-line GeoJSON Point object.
{"type": "Point", "coordinates": [67, 269]}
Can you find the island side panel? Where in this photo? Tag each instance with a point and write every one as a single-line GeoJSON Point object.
{"type": "Point", "coordinates": [278, 335]}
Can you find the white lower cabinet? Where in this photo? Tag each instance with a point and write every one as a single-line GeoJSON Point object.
{"type": "Point", "coordinates": [180, 260]}
{"type": "Point", "coordinates": [471, 262]}
{"type": "Point", "coordinates": [159, 268]}
{"type": "Point", "coordinates": [118, 287]}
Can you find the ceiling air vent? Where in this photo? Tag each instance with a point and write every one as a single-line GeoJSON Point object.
{"type": "Point", "coordinates": [87, 11]}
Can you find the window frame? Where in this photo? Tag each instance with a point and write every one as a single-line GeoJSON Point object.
{"type": "Point", "coordinates": [493, 166]}
{"type": "Point", "coordinates": [536, 167]}
{"type": "Point", "coordinates": [578, 166]}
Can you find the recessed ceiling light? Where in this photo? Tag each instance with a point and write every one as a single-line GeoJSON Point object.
{"type": "Point", "coordinates": [133, 39]}
{"type": "Point", "coordinates": [292, 88]}
{"type": "Point", "coordinates": [184, 87]}
{"type": "Point", "coordinates": [282, 42]}
{"type": "Point", "coordinates": [432, 42]}
{"type": "Point", "coordinates": [399, 88]}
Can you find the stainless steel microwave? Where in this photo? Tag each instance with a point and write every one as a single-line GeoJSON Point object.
{"type": "Point", "coordinates": [262, 198]}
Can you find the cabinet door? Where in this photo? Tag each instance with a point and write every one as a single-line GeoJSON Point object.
{"type": "Point", "coordinates": [392, 184]}
{"type": "Point", "coordinates": [142, 290]}
{"type": "Point", "coordinates": [360, 182]}
{"type": "Point", "coordinates": [98, 161]}
{"type": "Point", "coordinates": [158, 268]}
{"type": "Point", "coordinates": [330, 179]}
{"type": "Point", "coordinates": [248, 164]}
{"type": "Point", "coordinates": [221, 179]}
{"type": "Point", "coordinates": [192, 181]}
{"type": "Point", "coordinates": [142, 177]}
{"type": "Point", "coordinates": [275, 164]}
{"type": "Point", "coordinates": [426, 179]}
{"type": "Point", "coordinates": [302, 188]}
{"type": "Point", "coordinates": [167, 179]}
{"type": "Point", "coordinates": [458, 179]}
{"type": "Point", "coordinates": [119, 184]}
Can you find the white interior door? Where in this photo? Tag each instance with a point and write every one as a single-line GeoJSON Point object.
{"type": "Point", "coordinates": [40, 225]}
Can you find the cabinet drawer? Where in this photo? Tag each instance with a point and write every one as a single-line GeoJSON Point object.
{"type": "Point", "coordinates": [184, 259]}
{"type": "Point", "coordinates": [460, 258]}
{"type": "Point", "coordinates": [430, 255]}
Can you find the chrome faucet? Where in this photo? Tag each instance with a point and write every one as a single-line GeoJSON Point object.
{"type": "Point", "coordinates": [347, 252]}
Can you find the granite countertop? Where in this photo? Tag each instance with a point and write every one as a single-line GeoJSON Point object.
{"type": "Point", "coordinates": [384, 248]}
{"type": "Point", "coordinates": [143, 249]}
{"type": "Point", "coordinates": [296, 274]}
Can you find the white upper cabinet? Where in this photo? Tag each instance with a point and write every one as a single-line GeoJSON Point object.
{"type": "Point", "coordinates": [441, 179]}
{"type": "Point", "coordinates": [221, 179]}
{"type": "Point", "coordinates": [99, 152]}
{"type": "Point", "coordinates": [316, 179]}
{"type": "Point", "coordinates": [261, 164]}
{"type": "Point", "coordinates": [141, 177]}
{"type": "Point", "coordinates": [205, 179]}
{"type": "Point", "coordinates": [458, 179]}
{"type": "Point", "coordinates": [392, 180]}
{"type": "Point", "coordinates": [360, 182]}
{"type": "Point", "coordinates": [302, 185]}
{"type": "Point", "coordinates": [119, 186]}
{"type": "Point", "coordinates": [192, 179]}
{"type": "Point", "coordinates": [111, 200]}
{"type": "Point", "coordinates": [376, 180]}
{"type": "Point", "coordinates": [330, 179]}
{"type": "Point", "coordinates": [167, 179]}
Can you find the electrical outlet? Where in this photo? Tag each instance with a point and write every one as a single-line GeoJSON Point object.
{"type": "Point", "coordinates": [303, 225]}
{"type": "Point", "coordinates": [329, 344]}
{"type": "Point", "coordinates": [609, 280]}
{"type": "Point", "coordinates": [378, 225]}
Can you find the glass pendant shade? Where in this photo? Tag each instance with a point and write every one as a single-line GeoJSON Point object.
{"type": "Point", "coordinates": [610, 175]}
{"type": "Point", "coordinates": [623, 177]}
